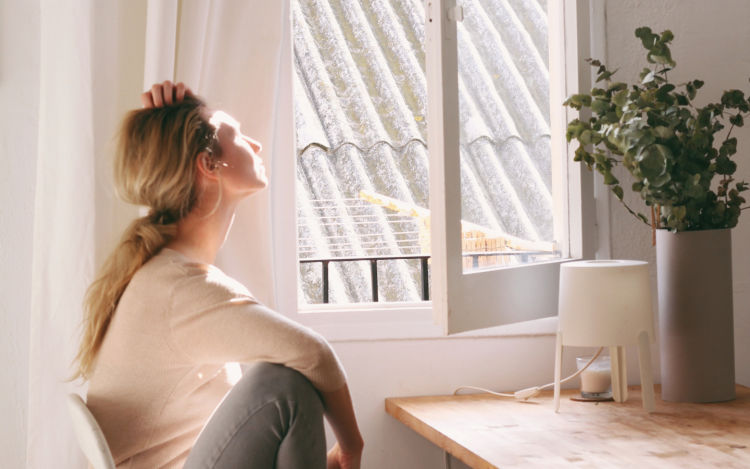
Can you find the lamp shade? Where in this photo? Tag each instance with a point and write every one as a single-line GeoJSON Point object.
{"type": "Point", "coordinates": [604, 302]}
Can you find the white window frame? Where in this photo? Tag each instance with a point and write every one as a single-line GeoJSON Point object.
{"type": "Point", "coordinates": [451, 310]}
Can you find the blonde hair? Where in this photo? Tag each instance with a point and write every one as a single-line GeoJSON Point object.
{"type": "Point", "coordinates": [154, 166]}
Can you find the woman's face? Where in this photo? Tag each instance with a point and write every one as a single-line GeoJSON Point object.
{"type": "Point", "coordinates": [242, 170]}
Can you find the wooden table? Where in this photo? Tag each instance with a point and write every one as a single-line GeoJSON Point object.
{"type": "Point", "coordinates": [489, 432]}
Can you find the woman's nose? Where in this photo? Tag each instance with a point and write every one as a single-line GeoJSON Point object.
{"type": "Point", "coordinates": [257, 146]}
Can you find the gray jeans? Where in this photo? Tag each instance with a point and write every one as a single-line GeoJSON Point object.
{"type": "Point", "coordinates": [272, 418]}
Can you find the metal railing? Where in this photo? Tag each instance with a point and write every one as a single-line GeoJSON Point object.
{"type": "Point", "coordinates": [526, 256]}
{"type": "Point", "coordinates": [374, 271]}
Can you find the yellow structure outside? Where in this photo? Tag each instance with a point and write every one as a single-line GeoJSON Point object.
{"type": "Point", "coordinates": [474, 238]}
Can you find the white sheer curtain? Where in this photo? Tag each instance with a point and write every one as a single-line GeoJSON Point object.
{"type": "Point", "coordinates": [236, 54]}
{"type": "Point", "coordinates": [63, 245]}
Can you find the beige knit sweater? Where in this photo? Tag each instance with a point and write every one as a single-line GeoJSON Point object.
{"type": "Point", "coordinates": [161, 368]}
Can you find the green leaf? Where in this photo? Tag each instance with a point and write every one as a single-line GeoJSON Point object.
{"type": "Point", "coordinates": [704, 117]}
{"type": "Point", "coordinates": [700, 140]}
{"type": "Point", "coordinates": [676, 214]}
{"type": "Point", "coordinates": [617, 86]}
{"type": "Point", "coordinates": [610, 179]}
{"type": "Point", "coordinates": [575, 127]}
{"type": "Point", "coordinates": [737, 120]}
{"type": "Point", "coordinates": [664, 90]}
{"type": "Point", "coordinates": [646, 36]}
{"type": "Point", "coordinates": [605, 75]}
{"type": "Point", "coordinates": [599, 106]}
{"type": "Point", "coordinates": [585, 137]}
{"type": "Point", "coordinates": [696, 191]}
{"type": "Point", "coordinates": [725, 166]}
{"type": "Point", "coordinates": [728, 147]}
{"type": "Point", "coordinates": [733, 98]}
{"type": "Point", "coordinates": [691, 90]}
{"type": "Point", "coordinates": [617, 190]}
{"type": "Point", "coordinates": [582, 155]}
{"type": "Point", "coordinates": [660, 54]}
{"type": "Point", "coordinates": [663, 132]}
{"type": "Point", "coordinates": [621, 98]}
{"type": "Point", "coordinates": [579, 100]}
{"type": "Point", "coordinates": [598, 92]}
{"type": "Point", "coordinates": [653, 164]}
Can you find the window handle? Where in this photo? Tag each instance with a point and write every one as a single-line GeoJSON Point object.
{"type": "Point", "coordinates": [456, 13]}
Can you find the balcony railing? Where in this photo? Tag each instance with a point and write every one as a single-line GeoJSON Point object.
{"type": "Point", "coordinates": [374, 271]}
{"type": "Point", "coordinates": [526, 256]}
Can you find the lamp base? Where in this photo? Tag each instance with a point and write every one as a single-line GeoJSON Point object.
{"type": "Point", "coordinates": [605, 397]}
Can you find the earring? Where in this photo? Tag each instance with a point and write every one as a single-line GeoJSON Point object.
{"type": "Point", "coordinates": [209, 163]}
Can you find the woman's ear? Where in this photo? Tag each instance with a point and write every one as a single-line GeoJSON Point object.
{"type": "Point", "coordinates": [207, 165]}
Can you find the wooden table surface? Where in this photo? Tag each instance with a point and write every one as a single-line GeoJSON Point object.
{"type": "Point", "coordinates": [484, 431]}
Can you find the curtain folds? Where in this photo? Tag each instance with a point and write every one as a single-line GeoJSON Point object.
{"type": "Point", "coordinates": [63, 244]}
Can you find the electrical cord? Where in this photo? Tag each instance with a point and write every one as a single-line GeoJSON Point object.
{"type": "Point", "coordinates": [528, 393]}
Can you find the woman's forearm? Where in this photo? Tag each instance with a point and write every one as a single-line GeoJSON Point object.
{"type": "Point", "coordinates": [340, 414]}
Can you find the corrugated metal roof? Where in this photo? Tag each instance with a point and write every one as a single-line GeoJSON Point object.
{"type": "Point", "coordinates": [361, 105]}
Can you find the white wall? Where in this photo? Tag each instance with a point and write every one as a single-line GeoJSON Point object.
{"type": "Point", "coordinates": [709, 45]}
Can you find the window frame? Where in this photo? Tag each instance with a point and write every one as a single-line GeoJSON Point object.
{"type": "Point", "coordinates": [376, 321]}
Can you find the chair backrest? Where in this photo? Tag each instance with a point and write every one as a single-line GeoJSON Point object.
{"type": "Point", "coordinates": [89, 434]}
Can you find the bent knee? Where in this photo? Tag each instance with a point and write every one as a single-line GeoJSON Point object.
{"type": "Point", "coordinates": [281, 382]}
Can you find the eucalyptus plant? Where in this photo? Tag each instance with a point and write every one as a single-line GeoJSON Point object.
{"type": "Point", "coordinates": [672, 148]}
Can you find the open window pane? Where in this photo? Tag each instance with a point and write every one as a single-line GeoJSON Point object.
{"type": "Point", "coordinates": [507, 214]}
{"type": "Point", "coordinates": [485, 105]}
{"type": "Point", "coordinates": [362, 180]}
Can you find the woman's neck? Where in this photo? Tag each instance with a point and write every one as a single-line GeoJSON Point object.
{"type": "Point", "coordinates": [200, 236]}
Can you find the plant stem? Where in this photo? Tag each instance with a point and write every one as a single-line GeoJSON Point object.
{"type": "Point", "coordinates": [729, 133]}
{"type": "Point", "coordinates": [726, 189]}
{"type": "Point", "coordinates": [633, 212]}
{"type": "Point", "coordinates": [653, 226]}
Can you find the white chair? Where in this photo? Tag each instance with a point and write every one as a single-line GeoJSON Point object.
{"type": "Point", "coordinates": [89, 434]}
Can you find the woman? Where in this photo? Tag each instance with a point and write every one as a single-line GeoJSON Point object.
{"type": "Point", "coordinates": [162, 322]}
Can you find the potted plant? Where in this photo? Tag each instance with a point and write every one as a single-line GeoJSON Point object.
{"type": "Point", "coordinates": [680, 159]}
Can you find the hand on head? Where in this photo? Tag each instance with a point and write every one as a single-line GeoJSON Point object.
{"type": "Point", "coordinates": [164, 94]}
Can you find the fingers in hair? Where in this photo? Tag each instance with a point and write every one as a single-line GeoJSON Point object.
{"type": "Point", "coordinates": [156, 95]}
{"type": "Point", "coordinates": [180, 90]}
{"type": "Point", "coordinates": [168, 92]}
{"type": "Point", "coordinates": [146, 99]}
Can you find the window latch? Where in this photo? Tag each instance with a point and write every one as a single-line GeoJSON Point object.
{"type": "Point", "coordinates": [456, 13]}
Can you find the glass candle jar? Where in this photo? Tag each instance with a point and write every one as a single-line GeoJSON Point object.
{"type": "Point", "coordinates": [596, 380]}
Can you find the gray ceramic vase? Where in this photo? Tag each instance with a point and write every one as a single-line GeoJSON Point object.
{"type": "Point", "coordinates": [696, 332]}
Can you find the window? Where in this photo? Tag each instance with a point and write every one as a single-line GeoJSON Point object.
{"type": "Point", "coordinates": [506, 197]}
{"type": "Point", "coordinates": [362, 167]}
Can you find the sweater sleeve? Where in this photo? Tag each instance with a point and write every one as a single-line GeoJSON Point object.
{"type": "Point", "coordinates": [214, 319]}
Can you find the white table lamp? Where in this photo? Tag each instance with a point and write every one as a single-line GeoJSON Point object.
{"type": "Point", "coordinates": [607, 303]}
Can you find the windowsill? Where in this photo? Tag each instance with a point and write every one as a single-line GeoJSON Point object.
{"type": "Point", "coordinates": [403, 321]}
